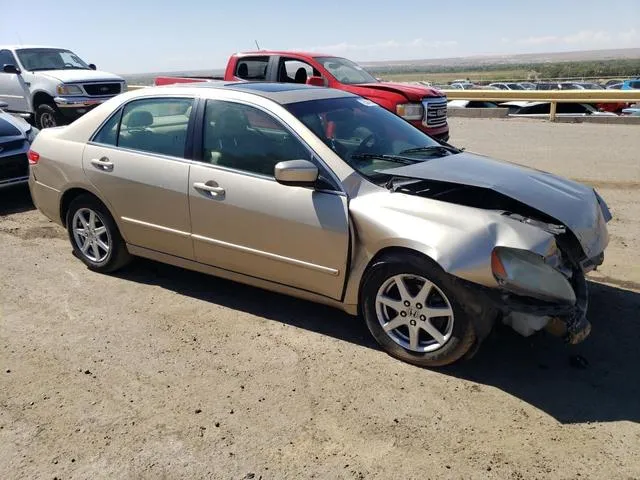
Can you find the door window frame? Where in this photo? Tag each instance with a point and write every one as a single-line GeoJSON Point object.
{"type": "Point", "coordinates": [314, 157]}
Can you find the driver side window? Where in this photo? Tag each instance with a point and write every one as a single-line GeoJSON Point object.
{"type": "Point", "coordinates": [245, 138]}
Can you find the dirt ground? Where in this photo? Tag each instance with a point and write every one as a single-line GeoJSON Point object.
{"type": "Point", "coordinates": [158, 372]}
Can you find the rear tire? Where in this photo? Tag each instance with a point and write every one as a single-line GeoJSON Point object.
{"type": "Point", "coordinates": [427, 326]}
{"type": "Point", "coordinates": [94, 235]}
{"type": "Point", "coordinates": [48, 116]}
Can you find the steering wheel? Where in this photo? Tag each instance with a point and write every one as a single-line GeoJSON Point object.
{"type": "Point", "coordinates": [367, 143]}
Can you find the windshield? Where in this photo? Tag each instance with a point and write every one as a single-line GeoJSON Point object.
{"type": "Point", "coordinates": [515, 86]}
{"type": "Point", "coordinates": [346, 71]}
{"type": "Point", "coordinates": [366, 136]}
{"type": "Point", "coordinates": [34, 59]}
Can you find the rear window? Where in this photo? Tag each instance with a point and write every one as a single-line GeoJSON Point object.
{"type": "Point", "coordinates": [252, 68]}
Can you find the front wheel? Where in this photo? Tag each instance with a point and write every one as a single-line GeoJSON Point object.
{"type": "Point", "coordinates": [412, 309]}
{"type": "Point", "coordinates": [94, 235]}
{"type": "Point", "coordinates": [48, 116]}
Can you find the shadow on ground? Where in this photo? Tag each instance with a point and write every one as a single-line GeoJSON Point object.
{"type": "Point", "coordinates": [537, 369]}
{"type": "Point", "coordinates": [16, 199]}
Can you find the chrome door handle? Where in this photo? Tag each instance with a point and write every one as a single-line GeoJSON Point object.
{"type": "Point", "coordinates": [102, 164]}
{"type": "Point", "coordinates": [209, 188]}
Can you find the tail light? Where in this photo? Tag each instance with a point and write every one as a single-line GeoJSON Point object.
{"type": "Point", "coordinates": [33, 157]}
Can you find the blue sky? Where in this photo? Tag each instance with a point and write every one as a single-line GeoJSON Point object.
{"type": "Point", "coordinates": [148, 36]}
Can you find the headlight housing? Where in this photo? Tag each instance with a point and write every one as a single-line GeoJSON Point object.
{"type": "Point", "coordinates": [410, 111]}
{"type": "Point", "coordinates": [524, 273]}
{"type": "Point", "coordinates": [64, 89]}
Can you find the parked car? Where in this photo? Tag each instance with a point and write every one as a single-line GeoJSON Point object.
{"type": "Point", "coordinates": [16, 136]}
{"type": "Point", "coordinates": [633, 84]}
{"type": "Point", "coordinates": [425, 107]}
{"type": "Point", "coordinates": [52, 86]}
{"type": "Point", "coordinates": [507, 86]}
{"type": "Point", "coordinates": [614, 86]}
{"type": "Point", "coordinates": [589, 86]}
{"type": "Point", "coordinates": [543, 109]}
{"type": "Point", "coordinates": [325, 195]}
{"type": "Point", "coordinates": [462, 85]}
{"type": "Point", "coordinates": [631, 112]}
{"type": "Point", "coordinates": [471, 104]}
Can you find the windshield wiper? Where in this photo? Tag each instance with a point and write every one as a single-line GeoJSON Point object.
{"type": "Point", "coordinates": [384, 156]}
{"type": "Point", "coordinates": [430, 148]}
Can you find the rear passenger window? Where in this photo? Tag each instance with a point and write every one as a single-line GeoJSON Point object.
{"type": "Point", "coordinates": [157, 125]}
{"type": "Point", "coordinates": [252, 68]}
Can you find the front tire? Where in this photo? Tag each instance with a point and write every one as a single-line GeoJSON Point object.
{"type": "Point", "coordinates": [48, 116]}
{"type": "Point", "coordinates": [94, 235]}
{"type": "Point", "coordinates": [411, 307]}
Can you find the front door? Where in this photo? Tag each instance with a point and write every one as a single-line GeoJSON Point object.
{"type": "Point", "coordinates": [140, 169]}
{"type": "Point", "coordinates": [246, 222]}
{"type": "Point", "coordinates": [13, 89]}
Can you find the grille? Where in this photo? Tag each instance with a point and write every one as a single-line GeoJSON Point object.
{"type": "Point", "coordinates": [435, 112]}
{"type": "Point", "coordinates": [100, 89]}
{"type": "Point", "coordinates": [14, 166]}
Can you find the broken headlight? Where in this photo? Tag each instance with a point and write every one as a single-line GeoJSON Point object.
{"type": "Point", "coordinates": [524, 273]}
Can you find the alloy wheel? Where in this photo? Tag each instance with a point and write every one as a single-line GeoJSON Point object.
{"type": "Point", "coordinates": [414, 313]}
{"type": "Point", "coordinates": [91, 235]}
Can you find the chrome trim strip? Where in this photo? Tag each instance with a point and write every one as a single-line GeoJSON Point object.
{"type": "Point", "coordinates": [272, 256]}
{"type": "Point", "coordinates": [156, 227]}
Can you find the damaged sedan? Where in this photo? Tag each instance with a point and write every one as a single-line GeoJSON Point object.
{"type": "Point", "coordinates": [324, 195]}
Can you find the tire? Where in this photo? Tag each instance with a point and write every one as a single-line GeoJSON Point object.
{"type": "Point", "coordinates": [47, 116]}
{"type": "Point", "coordinates": [455, 328]}
{"type": "Point", "coordinates": [102, 232]}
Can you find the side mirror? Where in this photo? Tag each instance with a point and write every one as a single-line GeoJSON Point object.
{"type": "Point", "coordinates": [317, 81]}
{"type": "Point", "coordinates": [3, 104]}
{"type": "Point", "coordinates": [299, 173]}
{"type": "Point", "coordinates": [92, 66]}
{"type": "Point", "coordinates": [9, 68]}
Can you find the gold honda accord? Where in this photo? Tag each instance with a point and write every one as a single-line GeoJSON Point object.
{"type": "Point", "coordinates": [324, 195]}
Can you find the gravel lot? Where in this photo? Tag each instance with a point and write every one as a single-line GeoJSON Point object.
{"type": "Point", "coordinates": [163, 373]}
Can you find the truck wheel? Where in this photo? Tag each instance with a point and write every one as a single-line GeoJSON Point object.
{"type": "Point", "coordinates": [413, 310]}
{"type": "Point", "coordinates": [48, 116]}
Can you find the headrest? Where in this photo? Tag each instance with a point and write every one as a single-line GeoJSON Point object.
{"type": "Point", "coordinates": [140, 119]}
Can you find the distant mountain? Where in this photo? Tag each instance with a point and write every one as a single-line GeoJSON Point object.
{"type": "Point", "coordinates": [478, 60]}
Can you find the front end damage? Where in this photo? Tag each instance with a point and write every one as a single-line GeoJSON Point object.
{"type": "Point", "coordinates": [550, 294]}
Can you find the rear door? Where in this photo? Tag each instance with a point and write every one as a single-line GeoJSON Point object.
{"type": "Point", "coordinates": [13, 89]}
{"type": "Point", "coordinates": [246, 222]}
{"type": "Point", "coordinates": [137, 162]}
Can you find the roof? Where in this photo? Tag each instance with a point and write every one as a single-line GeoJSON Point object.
{"type": "Point", "coordinates": [18, 47]}
{"type": "Point", "coordinates": [282, 93]}
{"type": "Point", "coordinates": [285, 52]}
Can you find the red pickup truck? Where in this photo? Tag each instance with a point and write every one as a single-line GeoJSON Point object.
{"type": "Point", "coordinates": [424, 107]}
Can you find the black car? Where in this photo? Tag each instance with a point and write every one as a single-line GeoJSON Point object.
{"type": "Point", "coordinates": [16, 136]}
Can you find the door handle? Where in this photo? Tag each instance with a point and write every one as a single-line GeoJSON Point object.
{"type": "Point", "coordinates": [213, 190]}
{"type": "Point", "coordinates": [102, 164]}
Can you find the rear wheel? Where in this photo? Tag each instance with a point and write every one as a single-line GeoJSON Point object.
{"type": "Point", "coordinates": [94, 235]}
{"type": "Point", "coordinates": [412, 309]}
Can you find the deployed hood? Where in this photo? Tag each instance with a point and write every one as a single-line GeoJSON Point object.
{"type": "Point", "coordinates": [571, 203]}
{"type": "Point", "coordinates": [411, 92]}
{"type": "Point", "coordinates": [76, 76]}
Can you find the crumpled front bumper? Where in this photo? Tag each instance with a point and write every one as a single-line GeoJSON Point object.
{"type": "Point", "coordinates": [568, 321]}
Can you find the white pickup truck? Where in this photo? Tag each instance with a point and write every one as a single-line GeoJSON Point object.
{"type": "Point", "coordinates": [52, 86]}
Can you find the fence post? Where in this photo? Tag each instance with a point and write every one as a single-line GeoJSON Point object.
{"type": "Point", "coordinates": [552, 112]}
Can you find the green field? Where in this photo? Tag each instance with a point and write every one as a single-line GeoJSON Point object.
{"type": "Point", "coordinates": [474, 76]}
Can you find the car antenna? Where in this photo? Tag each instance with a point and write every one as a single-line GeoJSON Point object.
{"type": "Point", "coordinates": [257, 46]}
